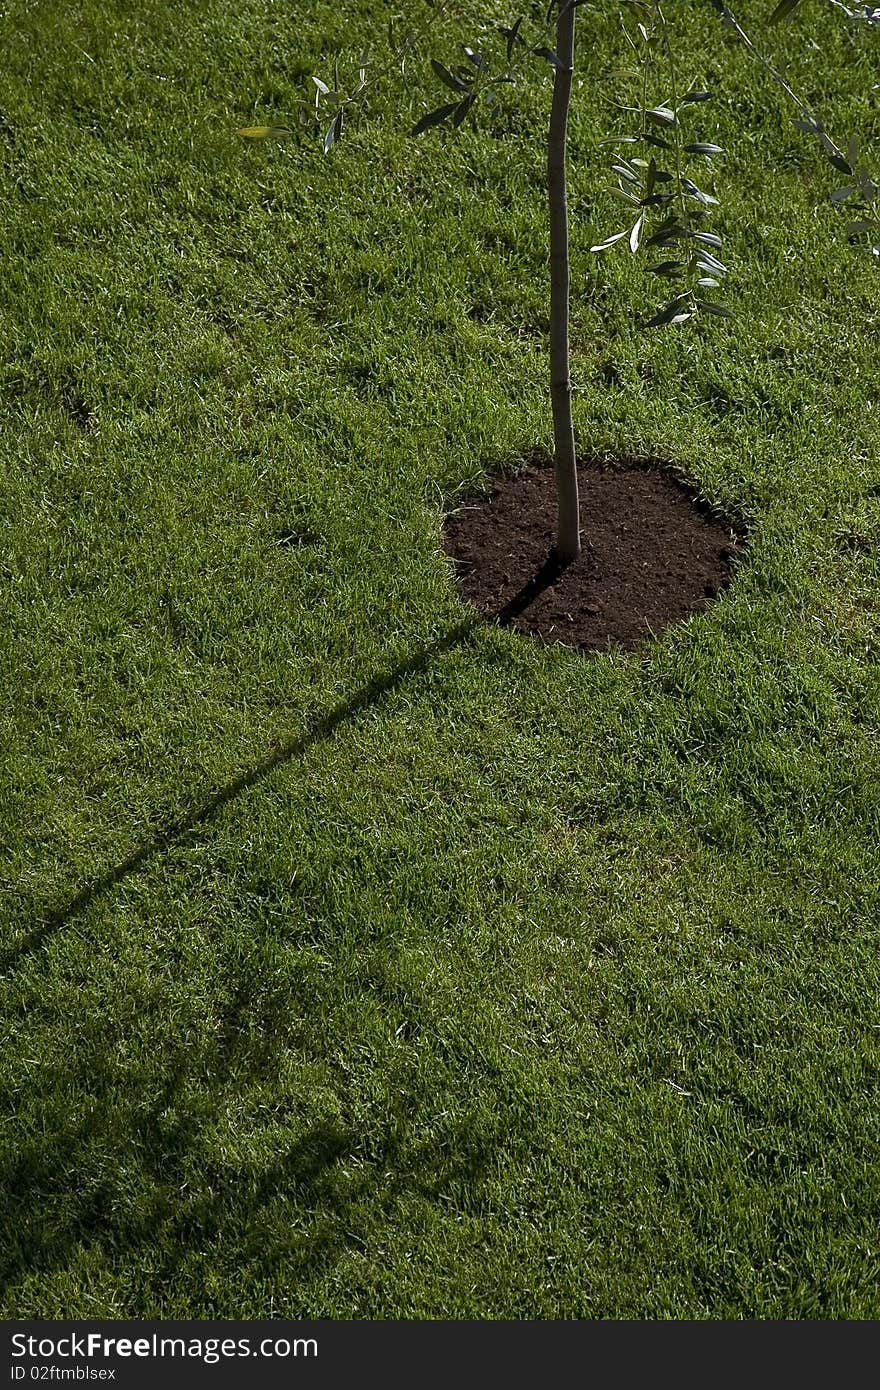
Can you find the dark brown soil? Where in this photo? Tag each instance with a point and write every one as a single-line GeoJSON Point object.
{"type": "Point", "coordinates": [653, 554]}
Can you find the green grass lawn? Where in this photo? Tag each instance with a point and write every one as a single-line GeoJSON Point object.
{"type": "Point", "coordinates": [359, 960]}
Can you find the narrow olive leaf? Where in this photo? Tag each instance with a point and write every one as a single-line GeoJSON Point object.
{"type": "Point", "coordinates": [695, 96]}
{"type": "Point", "coordinates": [462, 109]}
{"type": "Point", "coordinates": [552, 58]}
{"type": "Point", "coordinates": [636, 233]}
{"type": "Point", "coordinates": [691, 191]}
{"type": "Point", "coordinates": [672, 224]}
{"type": "Point", "coordinates": [704, 147]}
{"type": "Point", "coordinates": [334, 130]}
{"type": "Point", "coordinates": [719, 310]}
{"type": "Point", "coordinates": [785, 7]}
{"type": "Point", "coordinates": [666, 238]}
{"type": "Point", "coordinates": [625, 195]}
{"type": "Point", "coordinates": [321, 86]}
{"type": "Point", "coordinates": [603, 245]}
{"type": "Point", "coordinates": [436, 117]}
{"type": "Point", "coordinates": [673, 312]}
{"type": "Point", "coordinates": [667, 268]}
{"type": "Point", "coordinates": [729, 19]}
{"type": "Point", "coordinates": [625, 173]}
{"type": "Point", "coordinates": [709, 283]}
{"type": "Point", "coordinates": [808, 124]}
{"type": "Point", "coordinates": [852, 150]}
{"type": "Point", "coordinates": [661, 115]}
{"type": "Point", "coordinates": [448, 77]}
{"type": "Point", "coordinates": [705, 257]}
{"type": "Point", "coordinates": [707, 238]}
{"type": "Point", "coordinates": [867, 186]}
{"type": "Point", "coordinates": [667, 234]}
{"type": "Point", "coordinates": [512, 35]}
{"type": "Point", "coordinates": [840, 195]}
{"type": "Point", "coordinates": [834, 156]}
{"type": "Point", "coordinates": [711, 266]}
{"type": "Point", "coordinates": [475, 58]}
{"type": "Point", "coordinates": [264, 132]}
{"type": "Point", "coordinates": [839, 162]}
{"type": "Point", "coordinates": [678, 300]}
{"type": "Point", "coordinates": [664, 243]}
{"type": "Point", "coordinates": [657, 140]}
{"type": "Point", "coordinates": [658, 200]}
{"type": "Point", "coordinates": [860, 227]}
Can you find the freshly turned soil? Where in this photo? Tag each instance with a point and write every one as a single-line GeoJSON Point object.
{"type": "Point", "coordinates": [653, 554]}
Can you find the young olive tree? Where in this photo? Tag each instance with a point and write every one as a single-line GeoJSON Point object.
{"type": "Point", "coordinates": [568, 526]}
{"type": "Point", "coordinates": [670, 212]}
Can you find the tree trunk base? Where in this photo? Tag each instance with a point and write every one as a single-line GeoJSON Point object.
{"type": "Point", "coordinates": [656, 555]}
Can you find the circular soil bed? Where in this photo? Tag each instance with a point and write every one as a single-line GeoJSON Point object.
{"type": "Point", "coordinates": [653, 554]}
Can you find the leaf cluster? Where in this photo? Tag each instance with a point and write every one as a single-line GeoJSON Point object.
{"type": "Point", "coordinates": [523, 39]}
{"type": "Point", "coordinates": [671, 210]}
{"type": "Point", "coordinates": [658, 186]}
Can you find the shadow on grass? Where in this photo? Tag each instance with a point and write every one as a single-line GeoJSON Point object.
{"type": "Point", "coordinates": [142, 1172]}
{"type": "Point", "coordinates": [176, 831]}
{"type": "Point", "coordinates": [126, 1157]}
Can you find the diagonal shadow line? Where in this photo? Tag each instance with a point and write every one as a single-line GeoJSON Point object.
{"type": "Point", "coordinates": [543, 578]}
{"type": "Point", "coordinates": [368, 695]}
{"type": "Point", "coordinates": [171, 834]}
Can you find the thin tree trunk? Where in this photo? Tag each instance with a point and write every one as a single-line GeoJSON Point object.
{"type": "Point", "coordinates": [568, 539]}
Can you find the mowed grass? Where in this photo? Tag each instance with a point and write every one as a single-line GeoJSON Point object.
{"type": "Point", "coordinates": [360, 960]}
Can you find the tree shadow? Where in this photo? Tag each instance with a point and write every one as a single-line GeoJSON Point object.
{"type": "Point", "coordinates": [544, 578]}
{"type": "Point", "coordinates": [141, 1181]}
{"type": "Point", "coordinates": [130, 1169]}
{"type": "Point", "coordinates": [175, 831]}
